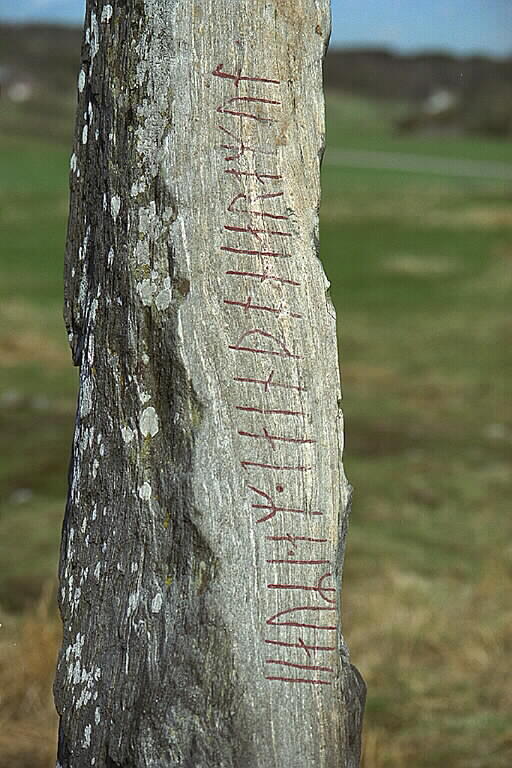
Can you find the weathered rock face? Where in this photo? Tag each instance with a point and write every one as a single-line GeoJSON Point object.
{"type": "Point", "coordinates": [203, 539]}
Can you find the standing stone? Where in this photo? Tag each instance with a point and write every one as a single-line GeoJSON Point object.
{"type": "Point", "coordinates": [203, 540]}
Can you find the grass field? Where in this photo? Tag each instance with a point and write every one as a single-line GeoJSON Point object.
{"type": "Point", "coordinates": [421, 272]}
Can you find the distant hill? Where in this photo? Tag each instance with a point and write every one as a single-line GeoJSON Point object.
{"type": "Point", "coordinates": [383, 74]}
{"type": "Point", "coordinates": [38, 70]}
{"type": "Point", "coordinates": [443, 93]}
{"type": "Point", "coordinates": [45, 53]}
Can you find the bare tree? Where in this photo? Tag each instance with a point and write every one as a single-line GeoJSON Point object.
{"type": "Point", "coordinates": [203, 539]}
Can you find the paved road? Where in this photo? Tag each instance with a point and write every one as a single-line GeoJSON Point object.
{"type": "Point", "coordinates": [397, 161]}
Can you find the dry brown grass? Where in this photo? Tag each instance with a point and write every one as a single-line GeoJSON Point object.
{"type": "Point", "coordinates": [435, 657]}
{"type": "Point", "coordinates": [28, 722]}
{"type": "Point", "coordinates": [475, 217]}
{"type": "Point", "coordinates": [417, 266]}
{"type": "Point", "coordinates": [24, 338]}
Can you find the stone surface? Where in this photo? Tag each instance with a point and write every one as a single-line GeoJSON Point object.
{"type": "Point", "coordinates": [203, 539]}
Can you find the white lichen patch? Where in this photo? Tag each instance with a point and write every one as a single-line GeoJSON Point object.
{"type": "Point", "coordinates": [127, 434]}
{"type": "Point", "coordinates": [142, 252]}
{"type": "Point", "coordinates": [90, 349]}
{"type": "Point", "coordinates": [81, 80]}
{"type": "Point", "coordinates": [145, 358]}
{"type": "Point", "coordinates": [94, 307]}
{"type": "Point", "coordinates": [144, 397]}
{"type": "Point", "coordinates": [145, 492]}
{"type": "Point", "coordinates": [146, 289]}
{"type": "Point", "coordinates": [87, 737]}
{"type": "Point", "coordinates": [133, 602]}
{"type": "Point", "coordinates": [82, 290]}
{"type": "Point", "coordinates": [85, 242]}
{"type": "Point", "coordinates": [115, 206]}
{"type": "Point", "coordinates": [110, 257]}
{"type": "Point", "coordinates": [97, 716]}
{"type": "Point", "coordinates": [94, 38]}
{"type": "Point", "coordinates": [148, 422]}
{"type": "Point", "coordinates": [78, 675]}
{"type": "Point", "coordinates": [73, 163]}
{"type": "Point", "coordinates": [75, 650]}
{"type": "Point", "coordinates": [163, 299]}
{"type": "Point", "coordinates": [85, 131]}
{"type": "Point", "coordinates": [137, 188]}
{"type": "Point", "coordinates": [151, 122]}
{"type": "Point", "coordinates": [86, 397]}
{"type": "Point", "coordinates": [106, 13]}
{"type": "Point", "coordinates": [156, 603]}
{"type": "Point", "coordinates": [148, 220]}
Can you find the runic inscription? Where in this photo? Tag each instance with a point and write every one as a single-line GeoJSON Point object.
{"type": "Point", "coordinates": [271, 415]}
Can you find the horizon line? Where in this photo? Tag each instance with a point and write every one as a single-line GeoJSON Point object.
{"type": "Point", "coordinates": [402, 49]}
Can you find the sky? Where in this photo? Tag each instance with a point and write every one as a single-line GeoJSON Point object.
{"type": "Point", "coordinates": [461, 26]}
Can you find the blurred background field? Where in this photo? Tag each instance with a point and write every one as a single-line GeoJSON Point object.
{"type": "Point", "coordinates": [420, 262]}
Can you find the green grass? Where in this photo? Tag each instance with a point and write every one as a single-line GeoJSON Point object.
{"type": "Point", "coordinates": [33, 211]}
{"type": "Point", "coordinates": [421, 273]}
{"type": "Point", "coordinates": [37, 381]}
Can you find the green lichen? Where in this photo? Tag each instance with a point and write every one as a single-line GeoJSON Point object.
{"type": "Point", "coordinates": [142, 272]}
{"type": "Point", "coordinates": [196, 414]}
{"type": "Point", "coordinates": [201, 577]}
